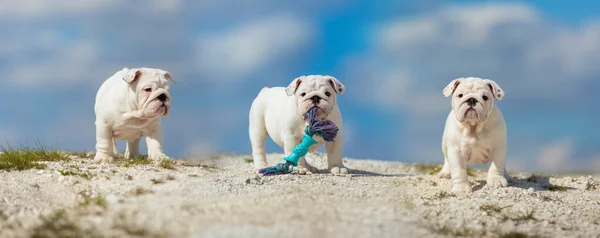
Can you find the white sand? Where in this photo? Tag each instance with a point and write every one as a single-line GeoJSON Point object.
{"type": "Point", "coordinates": [222, 198]}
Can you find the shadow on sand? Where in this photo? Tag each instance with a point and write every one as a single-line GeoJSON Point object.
{"type": "Point", "coordinates": [535, 181]}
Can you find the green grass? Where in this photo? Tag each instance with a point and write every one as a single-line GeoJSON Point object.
{"type": "Point", "coordinates": [445, 231]}
{"type": "Point", "coordinates": [141, 191]}
{"type": "Point", "coordinates": [515, 234]}
{"type": "Point", "coordinates": [167, 164]}
{"type": "Point", "coordinates": [157, 181]}
{"type": "Point", "coordinates": [58, 224]}
{"type": "Point", "coordinates": [443, 194]}
{"type": "Point", "coordinates": [492, 209]}
{"type": "Point", "coordinates": [76, 172]}
{"type": "Point", "coordinates": [248, 159]}
{"type": "Point", "coordinates": [97, 200]}
{"type": "Point", "coordinates": [132, 161]}
{"type": "Point", "coordinates": [533, 178]}
{"type": "Point", "coordinates": [29, 158]}
{"type": "Point", "coordinates": [555, 188]}
{"type": "Point", "coordinates": [81, 154]}
{"type": "Point", "coordinates": [430, 169]}
{"type": "Point", "coordinates": [591, 185]}
{"type": "Point", "coordinates": [528, 215]}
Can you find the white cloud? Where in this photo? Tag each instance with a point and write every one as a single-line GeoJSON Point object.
{"type": "Point", "coordinates": [42, 9]}
{"type": "Point", "coordinates": [507, 42]}
{"type": "Point", "coordinates": [534, 59]}
{"type": "Point", "coordinates": [68, 63]}
{"type": "Point", "coordinates": [555, 156]}
{"type": "Point", "coordinates": [255, 45]}
{"type": "Point", "coordinates": [201, 148]}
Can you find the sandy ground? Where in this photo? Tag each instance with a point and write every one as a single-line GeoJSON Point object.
{"type": "Point", "coordinates": [220, 197]}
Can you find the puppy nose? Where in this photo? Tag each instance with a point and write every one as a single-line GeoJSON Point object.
{"type": "Point", "coordinates": [471, 101]}
{"type": "Point", "coordinates": [315, 99]}
{"type": "Point", "coordinates": [162, 97]}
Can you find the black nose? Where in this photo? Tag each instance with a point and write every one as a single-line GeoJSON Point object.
{"type": "Point", "coordinates": [471, 102]}
{"type": "Point", "coordinates": [162, 97]}
{"type": "Point", "coordinates": [315, 99]}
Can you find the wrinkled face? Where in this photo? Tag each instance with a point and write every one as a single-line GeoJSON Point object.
{"type": "Point", "coordinates": [473, 98]}
{"type": "Point", "coordinates": [315, 91]}
{"type": "Point", "coordinates": [152, 92]}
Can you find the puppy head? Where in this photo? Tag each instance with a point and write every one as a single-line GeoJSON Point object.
{"type": "Point", "coordinates": [151, 90]}
{"type": "Point", "coordinates": [315, 91]}
{"type": "Point", "coordinates": [473, 98]}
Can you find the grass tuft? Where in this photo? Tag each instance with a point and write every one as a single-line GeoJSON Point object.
{"type": "Point", "coordinates": [28, 158]}
{"type": "Point", "coordinates": [167, 164]}
{"type": "Point", "coordinates": [553, 187]}
{"type": "Point", "coordinates": [443, 194]}
{"type": "Point", "coordinates": [76, 172]}
{"type": "Point", "coordinates": [516, 234]}
{"type": "Point", "coordinates": [58, 224]}
{"type": "Point", "coordinates": [492, 208]}
{"type": "Point", "coordinates": [533, 178]}
{"type": "Point", "coordinates": [528, 215]}
{"type": "Point", "coordinates": [141, 191]}
{"type": "Point", "coordinates": [248, 159]}
{"type": "Point", "coordinates": [157, 181]}
{"type": "Point", "coordinates": [132, 161]}
{"type": "Point", "coordinates": [97, 200]}
{"type": "Point", "coordinates": [591, 185]}
{"type": "Point", "coordinates": [430, 169]}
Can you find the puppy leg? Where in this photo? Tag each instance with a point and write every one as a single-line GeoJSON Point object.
{"type": "Point", "coordinates": [496, 171]}
{"type": "Point", "coordinates": [133, 148]}
{"type": "Point", "coordinates": [445, 172]}
{"type": "Point", "coordinates": [258, 135]}
{"type": "Point", "coordinates": [334, 156]}
{"type": "Point", "coordinates": [104, 144]}
{"type": "Point", "coordinates": [114, 146]}
{"type": "Point", "coordinates": [458, 171]}
{"type": "Point", "coordinates": [305, 168]}
{"type": "Point", "coordinates": [154, 142]}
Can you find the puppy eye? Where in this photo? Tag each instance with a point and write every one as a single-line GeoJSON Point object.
{"type": "Point", "coordinates": [302, 94]}
{"type": "Point", "coordinates": [485, 98]}
{"type": "Point", "coordinates": [327, 94]}
{"type": "Point", "coordinates": [460, 95]}
{"type": "Point", "coordinates": [148, 90]}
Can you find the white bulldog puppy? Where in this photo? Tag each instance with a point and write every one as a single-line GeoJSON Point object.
{"type": "Point", "coordinates": [279, 112]}
{"type": "Point", "coordinates": [129, 106]}
{"type": "Point", "coordinates": [475, 132]}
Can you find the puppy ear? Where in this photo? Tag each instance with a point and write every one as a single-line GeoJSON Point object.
{"type": "Point", "coordinates": [131, 75]}
{"type": "Point", "coordinates": [167, 75]}
{"type": "Point", "coordinates": [337, 85]}
{"type": "Point", "coordinates": [291, 89]}
{"type": "Point", "coordinates": [495, 88]}
{"type": "Point", "coordinates": [449, 90]}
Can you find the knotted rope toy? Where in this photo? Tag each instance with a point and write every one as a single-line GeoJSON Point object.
{"type": "Point", "coordinates": [325, 129]}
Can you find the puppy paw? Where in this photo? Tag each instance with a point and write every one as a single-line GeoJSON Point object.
{"type": "Point", "coordinates": [337, 170]}
{"type": "Point", "coordinates": [158, 157]}
{"type": "Point", "coordinates": [306, 168]}
{"type": "Point", "coordinates": [461, 188]}
{"type": "Point", "coordinates": [260, 165]}
{"type": "Point", "coordinates": [497, 181]}
{"type": "Point", "coordinates": [102, 158]}
{"type": "Point", "coordinates": [303, 171]}
{"type": "Point", "coordinates": [443, 175]}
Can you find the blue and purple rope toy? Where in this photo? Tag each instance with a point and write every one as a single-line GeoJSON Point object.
{"type": "Point", "coordinates": [325, 129]}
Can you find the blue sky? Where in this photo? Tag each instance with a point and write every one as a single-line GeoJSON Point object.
{"type": "Point", "coordinates": [393, 56]}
